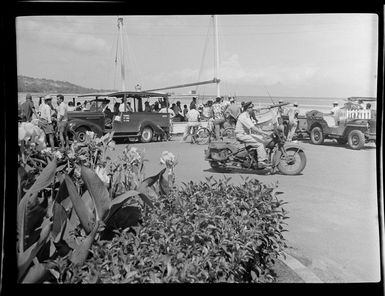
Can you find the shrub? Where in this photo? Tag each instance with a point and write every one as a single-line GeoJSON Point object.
{"type": "Point", "coordinates": [206, 232]}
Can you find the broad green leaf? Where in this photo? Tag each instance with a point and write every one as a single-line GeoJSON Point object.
{"type": "Point", "coordinates": [98, 192]}
{"type": "Point", "coordinates": [24, 259]}
{"type": "Point", "coordinates": [59, 219]}
{"type": "Point", "coordinates": [79, 255]}
{"type": "Point", "coordinates": [62, 193]}
{"type": "Point", "coordinates": [43, 180]}
{"type": "Point", "coordinates": [84, 214]}
{"type": "Point", "coordinates": [118, 202]}
{"type": "Point", "coordinates": [35, 274]}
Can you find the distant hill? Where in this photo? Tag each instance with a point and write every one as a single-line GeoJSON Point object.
{"type": "Point", "coordinates": [42, 85]}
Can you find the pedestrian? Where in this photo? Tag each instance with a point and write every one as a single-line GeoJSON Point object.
{"type": "Point", "coordinates": [28, 109]}
{"type": "Point", "coordinates": [243, 130]}
{"type": "Point", "coordinates": [219, 117]}
{"type": "Point", "coordinates": [78, 106]}
{"type": "Point", "coordinates": [62, 121]}
{"type": "Point", "coordinates": [155, 107]}
{"type": "Point", "coordinates": [45, 120]}
{"type": "Point", "coordinates": [86, 106]}
{"type": "Point", "coordinates": [193, 118]}
{"type": "Point", "coordinates": [232, 112]}
{"type": "Point", "coordinates": [116, 108]}
{"type": "Point", "coordinates": [71, 106]}
{"type": "Point", "coordinates": [167, 110]}
{"type": "Point", "coordinates": [207, 112]}
{"type": "Point", "coordinates": [147, 107]}
{"type": "Point", "coordinates": [335, 112]}
{"type": "Point", "coordinates": [193, 103]}
{"type": "Point", "coordinates": [185, 110]}
{"type": "Point", "coordinates": [293, 121]}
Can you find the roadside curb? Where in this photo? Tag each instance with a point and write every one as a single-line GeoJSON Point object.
{"type": "Point", "coordinates": [301, 270]}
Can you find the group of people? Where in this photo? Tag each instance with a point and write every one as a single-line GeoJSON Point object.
{"type": "Point", "coordinates": [244, 121]}
{"type": "Point", "coordinates": [50, 119]}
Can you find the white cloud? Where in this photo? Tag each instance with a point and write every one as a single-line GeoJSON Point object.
{"type": "Point", "coordinates": [67, 37]}
{"type": "Point", "coordinates": [231, 70]}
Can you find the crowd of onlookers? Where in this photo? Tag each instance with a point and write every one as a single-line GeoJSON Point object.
{"type": "Point", "coordinates": [52, 120]}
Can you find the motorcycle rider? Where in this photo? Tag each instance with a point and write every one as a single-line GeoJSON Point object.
{"type": "Point", "coordinates": [243, 129]}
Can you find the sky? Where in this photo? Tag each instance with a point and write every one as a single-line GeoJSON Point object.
{"type": "Point", "coordinates": [303, 55]}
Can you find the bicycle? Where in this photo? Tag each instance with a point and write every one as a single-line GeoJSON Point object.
{"type": "Point", "coordinates": [204, 134]}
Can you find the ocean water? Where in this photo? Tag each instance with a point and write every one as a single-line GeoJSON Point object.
{"type": "Point", "coordinates": [323, 104]}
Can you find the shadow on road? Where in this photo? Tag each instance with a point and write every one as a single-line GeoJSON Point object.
{"type": "Point", "coordinates": [247, 172]}
{"type": "Point", "coordinates": [331, 143]}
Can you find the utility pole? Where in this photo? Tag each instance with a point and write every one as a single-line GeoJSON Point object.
{"type": "Point", "coordinates": [122, 70]}
{"type": "Point", "coordinates": [216, 57]}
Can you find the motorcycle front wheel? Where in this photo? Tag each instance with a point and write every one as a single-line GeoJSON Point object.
{"type": "Point", "coordinates": [202, 136]}
{"type": "Point", "coordinates": [293, 163]}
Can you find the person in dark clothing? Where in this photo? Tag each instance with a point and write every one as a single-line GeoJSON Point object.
{"type": "Point", "coordinates": [78, 107]}
{"type": "Point", "coordinates": [193, 103]}
{"type": "Point", "coordinates": [28, 109]}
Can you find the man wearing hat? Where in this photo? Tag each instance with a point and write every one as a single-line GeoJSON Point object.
{"type": "Point", "coordinates": [335, 112]}
{"type": "Point", "coordinates": [243, 130]}
{"type": "Point", "coordinates": [45, 121]}
{"type": "Point", "coordinates": [293, 121]}
{"type": "Point", "coordinates": [218, 116]}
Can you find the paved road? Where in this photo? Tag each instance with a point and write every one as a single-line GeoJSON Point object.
{"type": "Point", "coordinates": [333, 206]}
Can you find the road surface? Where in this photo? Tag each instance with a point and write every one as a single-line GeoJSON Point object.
{"type": "Point", "coordinates": [333, 207]}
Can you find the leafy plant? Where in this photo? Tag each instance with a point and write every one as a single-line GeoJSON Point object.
{"type": "Point", "coordinates": [68, 205]}
{"type": "Point", "coordinates": [204, 232]}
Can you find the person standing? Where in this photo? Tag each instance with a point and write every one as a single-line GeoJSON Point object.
{"type": "Point", "coordinates": [193, 118]}
{"type": "Point", "coordinates": [293, 121]}
{"type": "Point", "coordinates": [185, 110]}
{"type": "Point", "coordinates": [62, 121]}
{"type": "Point", "coordinates": [232, 112]}
{"type": "Point", "coordinates": [45, 120]}
{"type": "Point", "coordinates": [28, 109]}
{"type": "Point", "coordinates": [193, 103]}
{"type": "Point", "coordinates": [243, 130]}
{"type": "Point", "coordinates": [218, 116]}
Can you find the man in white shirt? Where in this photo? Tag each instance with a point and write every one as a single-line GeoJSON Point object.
{"type": "Point", "coordinates": [45, 120]}
{"type": "Point", "coordinates": [62, 121]}
{"type": "Point", "coordinates": [243, 134]}
{"type": "Point", "coordinates": [193, 118]}
{"type": "Point", "coordinates": [293, 121]}
{"type": "Point", "coordinates": [167, 110]}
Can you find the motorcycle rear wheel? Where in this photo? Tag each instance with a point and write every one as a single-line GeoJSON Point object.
{"type": "Point", "coordinates": [294, 163]}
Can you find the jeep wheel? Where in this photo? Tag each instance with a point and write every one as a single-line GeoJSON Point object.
{"type": "Point", "coordinates": [316, 135]}
{"type": "Point", "coordinates": [356, 139]}
{"type": "Point", "coordinates": [146, 135]}
{"type": "Point", "coordinates": [80, 134]}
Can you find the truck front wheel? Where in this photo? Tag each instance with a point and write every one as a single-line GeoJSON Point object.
{"type": "Point", "coordinates": [356, 139]}
{"type": "Point", "coordinates": [80, 134]}
{"type": "Point", "coordinates": [146, 135]}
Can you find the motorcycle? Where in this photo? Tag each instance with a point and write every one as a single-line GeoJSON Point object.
{"type": "Point", "coordinates": [286, 157]}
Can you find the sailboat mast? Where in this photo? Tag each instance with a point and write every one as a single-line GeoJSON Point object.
{"type": "Point", "coordinates": [122, 70]}
{"type": "Point", "coordinates": [216, 57]}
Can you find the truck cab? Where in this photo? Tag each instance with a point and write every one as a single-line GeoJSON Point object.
{"type": "Point", "coordinates": [135, 124]}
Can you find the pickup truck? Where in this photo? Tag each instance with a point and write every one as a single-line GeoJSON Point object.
{"type": "Point", "coordinates": [135, 124]}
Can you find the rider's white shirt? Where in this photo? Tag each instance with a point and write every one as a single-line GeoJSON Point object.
{"type": "Point", "coordinates": [244, 123]}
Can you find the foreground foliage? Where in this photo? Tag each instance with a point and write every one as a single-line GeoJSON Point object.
{"type": "Point", "coordinates": [84, 218]}
{"type": "Point", "coordinates": [204, 232]}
